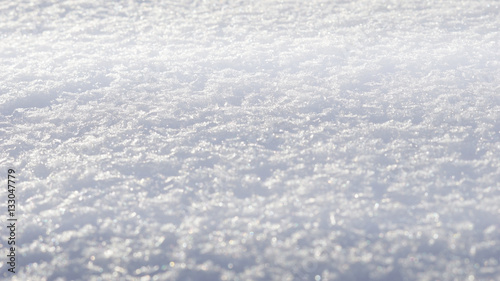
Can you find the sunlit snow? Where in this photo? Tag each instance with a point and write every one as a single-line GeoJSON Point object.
{"type": "Point", "coordinates": [252, 140]}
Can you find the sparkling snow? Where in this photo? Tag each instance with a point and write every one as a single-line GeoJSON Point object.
{"type": "Point", "coordinates": [273, 140]}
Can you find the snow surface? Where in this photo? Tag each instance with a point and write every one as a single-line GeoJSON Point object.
{"type": "Point", "coordinates": [272, 140]}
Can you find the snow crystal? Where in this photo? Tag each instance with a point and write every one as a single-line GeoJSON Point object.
{"type": "Point", "coordinates": [272, 140]}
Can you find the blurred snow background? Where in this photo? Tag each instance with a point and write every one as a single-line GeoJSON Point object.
{"type": "Point", "coordinates": [273, 140]}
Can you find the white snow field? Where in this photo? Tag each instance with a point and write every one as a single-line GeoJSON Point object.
{"type": "Point", "coordinates": [272, 140]}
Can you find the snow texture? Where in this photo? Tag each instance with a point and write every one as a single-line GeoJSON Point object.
{"type": "Point", "coordinates": [273, 140]}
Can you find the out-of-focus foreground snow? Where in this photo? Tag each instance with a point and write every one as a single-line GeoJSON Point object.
{"type": "Point", "coordinates": [278, 140]}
